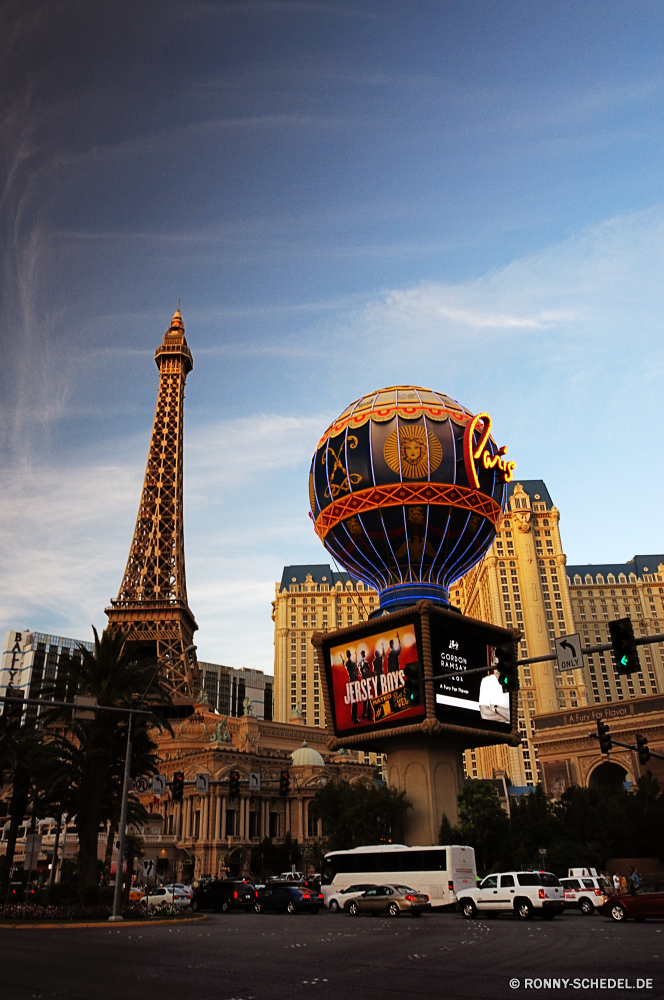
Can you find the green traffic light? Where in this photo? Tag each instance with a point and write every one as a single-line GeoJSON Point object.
{"type": "Point", "coordinates": [624, 661]}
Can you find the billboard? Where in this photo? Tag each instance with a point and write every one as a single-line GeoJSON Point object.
{"type": "Point", "coordinates": [478, 700]}
{"type": "Point", "coordinates": [366, 679]}
{"type": "Point", "coordinates": [363, 669]}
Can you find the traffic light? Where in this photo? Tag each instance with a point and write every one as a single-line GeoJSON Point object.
{"type": "Point", "coordinates": [234, 784]}
{"type": "Point", "coordinates": [177, 788]}
{"type": "Point", "coordinates": [624, 648]}
{"type": "Point", "coordinates": [605, 741]}
{"type": "Point", "coordinates": [412, 684]}
{"type": "Point", "coordinates": [506, 668]}
{"type": "Point", "coordinates": [642, 748]}
{"type": "Point", "coordinates": [284, 783]}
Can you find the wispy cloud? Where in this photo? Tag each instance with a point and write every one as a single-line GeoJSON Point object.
{"type": "Point", "coordinates": [66, 528]}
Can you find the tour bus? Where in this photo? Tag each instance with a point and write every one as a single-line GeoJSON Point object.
{"type": "Point", "coordinates": [441, 872]}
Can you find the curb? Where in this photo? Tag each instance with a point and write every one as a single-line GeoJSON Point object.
{"type": "Point", "coordinates": [101, 923]}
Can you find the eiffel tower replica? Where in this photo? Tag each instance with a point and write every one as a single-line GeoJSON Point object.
{"type": "Point", "coordinates": [151, 606]}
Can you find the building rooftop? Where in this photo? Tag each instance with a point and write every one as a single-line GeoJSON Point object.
{"type": "Point", "coordinates": [319, 572]}
{"type": "Point", "coordinates": [639, 565]}
{"type": "Point", "coordinates": [306, 756]}
{"type": "Point", "coordinates": [535, 488]}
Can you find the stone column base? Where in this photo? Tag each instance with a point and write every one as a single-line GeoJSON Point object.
{"type": "Point", "coordinates": [431, 775]}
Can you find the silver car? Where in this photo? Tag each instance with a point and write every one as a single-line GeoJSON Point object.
{"type": "Point", "coordinates": [390, 899]}
{"type": "Point", "coordinates": [338, 900]}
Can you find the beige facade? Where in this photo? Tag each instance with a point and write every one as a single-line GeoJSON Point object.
{"type": "Point", "coordinates": [310, 599]}
{"type": "Point", "coordinates": [620, 590]}
{"type": "Point", "coordinates": [569, 755]}
{"type": "Point", "coordinates": [522, 583]}
{"type": "Point", "coordinates": [213, 833]}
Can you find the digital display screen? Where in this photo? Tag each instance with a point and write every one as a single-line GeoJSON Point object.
{"type": "Point", "coordinates": [366, 678]}
{"type": "Point", "coordinates": [477, 700]}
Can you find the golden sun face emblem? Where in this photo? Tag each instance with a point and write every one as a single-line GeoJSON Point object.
{"type": "Point", "coordinates": [413, 452]}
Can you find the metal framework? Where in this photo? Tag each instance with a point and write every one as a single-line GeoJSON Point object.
{"type": "Point", "coordinates": [151, 605]}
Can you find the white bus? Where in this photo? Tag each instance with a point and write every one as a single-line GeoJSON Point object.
{"type": "Point", "coordinates": [441, 872]}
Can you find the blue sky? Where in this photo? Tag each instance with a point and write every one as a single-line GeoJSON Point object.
{"type": "Point", "coordinates": [466, 196]}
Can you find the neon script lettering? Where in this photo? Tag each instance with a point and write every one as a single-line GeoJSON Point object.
{"type": "Point", "coordinates": [474, 453]}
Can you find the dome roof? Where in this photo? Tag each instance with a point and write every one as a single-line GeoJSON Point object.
{"type": "Point", "coordinates": [306, 756]}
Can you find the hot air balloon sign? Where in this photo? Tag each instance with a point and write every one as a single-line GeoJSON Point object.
{"type": "Point", "coordinates": [407, 489]}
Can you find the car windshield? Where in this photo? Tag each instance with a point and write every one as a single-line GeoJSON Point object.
{"type": "Point", "coordinates": [551, 881]}
{"type": "Point", "coordinates": [404, 888]}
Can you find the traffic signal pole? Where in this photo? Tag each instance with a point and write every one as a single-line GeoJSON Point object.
{"type": "Point", "coordinates": [642, 640]}
{"type": "Point", "coordinates": [628, 746]}
{"type": "Point", "coordinates": [119, 862]}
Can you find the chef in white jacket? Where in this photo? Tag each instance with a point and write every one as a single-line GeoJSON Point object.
{"type": "Point", "coordinates": [494, 701]}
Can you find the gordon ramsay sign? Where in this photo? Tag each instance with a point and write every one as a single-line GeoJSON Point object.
{"type": "Point", "coordinates": [365, 666]}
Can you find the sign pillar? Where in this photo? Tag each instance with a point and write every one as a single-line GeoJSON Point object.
{"type": "Point", "coordinates": [455, 701]}
{"type": "Point", "coordinates": [431, 775]}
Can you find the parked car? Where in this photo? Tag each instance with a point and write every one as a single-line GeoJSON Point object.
{"type": "Point", "coordinates": [645, 901]}
{"type": "Point", "coordinates": [224, 895]}
{"type": "Point", "coordinates": [180, 887]}
{"type": "Point", "coordinates": [288, 898]}
{"type": "Point", "coordinates": [287, 877]}
{"type": "Point", "coordinates": [337, 900]}
{"type": "Point", "coordinates": [521, 893]}
{"type": "Point", "coordinates": [390, 899]}
{"type": "Point", "coordinates": [162, 895]}
{"type": "Point", "coordinates": [586, 894]}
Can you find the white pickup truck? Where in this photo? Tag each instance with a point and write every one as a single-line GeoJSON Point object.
{"type": "Point", "coordinates": [521, 893]}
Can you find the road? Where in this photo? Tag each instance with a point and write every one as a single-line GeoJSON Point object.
{"type": "Point", "coordinates": [274, 957]}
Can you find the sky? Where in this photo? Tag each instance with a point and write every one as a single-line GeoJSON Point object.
{"type": "Point", "coordinates": [466, 196]}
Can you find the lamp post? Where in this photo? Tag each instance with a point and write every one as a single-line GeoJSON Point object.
{"type": "Point", "coordinates": [119, 865]}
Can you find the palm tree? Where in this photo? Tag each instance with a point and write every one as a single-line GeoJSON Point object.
{"type": "Point", "coordinates": [29, 769]}
{"type": "Point", "coordinates": [116, 676]}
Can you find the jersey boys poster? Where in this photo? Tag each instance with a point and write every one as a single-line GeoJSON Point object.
{"type": "Point", "coordinates": [367, 678]}
{"type": "Point", "coordinates": [476, 700]}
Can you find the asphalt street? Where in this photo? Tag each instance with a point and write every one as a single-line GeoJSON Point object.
{"type": "Point", "coordinates": [273, 957]}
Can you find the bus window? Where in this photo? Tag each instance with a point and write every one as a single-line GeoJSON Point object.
{"type": "Point", "coordinates": [432, 861]}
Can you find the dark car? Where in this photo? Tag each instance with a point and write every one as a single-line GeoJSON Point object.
{"type": "Point", "coordinates": [224, 895]}
{"type": "Point", "coordinates": [288, 898]}
{"type": "Point", "coordinates": [646, 900]}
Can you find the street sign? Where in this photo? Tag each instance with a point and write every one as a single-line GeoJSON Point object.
{"type": "Point", "coordinates": [33, 843]}
{"type": "Point", "coordinates": [159, 784]}
{"type": "Point", "coordinates": [569, 652]}
{"type": "Point", "coordinates": [84, 701]}
{"type": "Point", "coordinates": [254, 781]}
{"type": "Point", "coordinates": [148, 867]}
{"type": "Point", "coordinates": [141, 785]}
{"type": "Point", "coordinates": [203, 783]}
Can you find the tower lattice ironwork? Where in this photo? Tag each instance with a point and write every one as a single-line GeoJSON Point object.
{"type": "Point", "coordinates": [151, 606]}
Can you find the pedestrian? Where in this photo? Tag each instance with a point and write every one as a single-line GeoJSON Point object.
{"type": "Point", "coordinates": [615, 878]}
{"type": "Point", "coordinates": [623, 883]}
{"type": "Point", "coordinates": [634, 877]}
